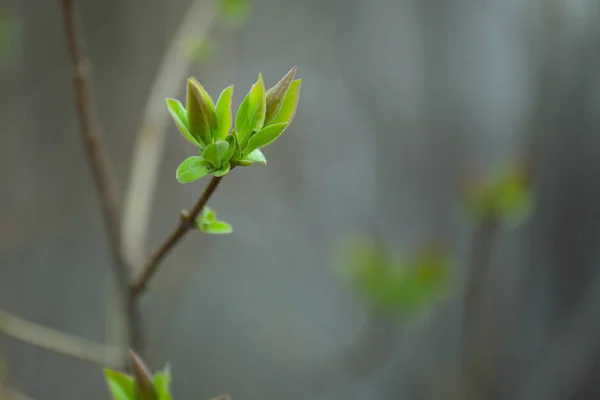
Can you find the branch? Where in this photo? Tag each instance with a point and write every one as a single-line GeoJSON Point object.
{"type": "Point", "coordinates": [186, 223]}
{"type": "Point", "coordinates": [101, 167]}
{"type": "Point", "coordinates": [150, 140]}
{"type": "Point", "coordinates": [59, 342]}
{"type": "Point", "coordinates": [12, 394]}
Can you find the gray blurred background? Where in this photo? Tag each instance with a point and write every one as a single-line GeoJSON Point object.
{"type": "Point", "coordinates": [401, 99]}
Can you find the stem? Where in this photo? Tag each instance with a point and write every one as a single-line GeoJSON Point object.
{"type": "Point", "coordinates": [100, 164]}
{"type": "Point", "coordinates": [186, 223]}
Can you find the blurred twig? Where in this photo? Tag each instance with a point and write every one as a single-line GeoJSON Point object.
{"type": "Point", "coordinates": [59, 342]}
{"type": "Point", "coordinates": [101, 169]}
{"type": "Point", "coordinates": [148, 148]}
{"type": "Point", "coordinates": [12, 394]}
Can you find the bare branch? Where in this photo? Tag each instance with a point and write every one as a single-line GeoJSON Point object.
{"type": "Point", "coordinates": [186, 223]}
{"type": "Point", "coordinates": [150, 141]}
{"type": "Point", "coordinates": [59, 342]}
{"type": "Point", "coordinates": [101, 168]}
{"type": "Point", "coordinates": [12, 394]}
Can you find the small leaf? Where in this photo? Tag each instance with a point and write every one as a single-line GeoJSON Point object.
{"type": "Point", "coordinates": [257, 106]}
{"type": "Point", "coordinates": [202, 118]}
{"type": "Point", "coordinates": [121, 386]}
{"type": "Point", "coordinates": [224, 170]}
{"type": "Point", "coordinates": [216, 228]}
{"type": "Point", "coordinates": [276, 94]}
{"type": "Point", "coordinates": [208, 214]}
{"type": "Point", "coordinates": [290, 103]}
{"type": "Point", "coordinates": [191, 169]}
{"type": "Point", "coordinates": [265, 137]}
{"type": "Point", "coordinates": [179, 115]}
{"type": "Point", "coordinates": [242, 163]}
{"type": "Point", "coordinates": [222, 151]}
{"type": "Point", "coordinates": [214, 153]}
{"type": "Point", "coordinates": [143, 378]}
{"type": "Point", "coordinates": [256, 156]}
{"type": "Point", "coordinates": [242, 123]}
{"type": "Point", "coordinates": [237, 152]}
{"type": "Point", "coordinates": [162, 383]}
{"type": "Point", "coordinates": [223, 110]}
{"type": "Point", "coordinates": [230, 150]}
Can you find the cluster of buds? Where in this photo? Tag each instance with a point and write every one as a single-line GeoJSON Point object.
{"type": "Point", "coordinates": [262, 117]}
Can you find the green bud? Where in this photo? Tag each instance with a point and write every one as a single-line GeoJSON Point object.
{"type": "Point", "coordinates": [202, 118]}
{"type": "Point", "coordinates": [143, 378]}
{"type": "Point", "coordinates": [276, 94]}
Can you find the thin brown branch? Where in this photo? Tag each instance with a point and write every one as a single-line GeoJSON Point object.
{"type": "Point", "coordinates": [186, 223]}
{"type": "Point", "coordinates": [59, 342]}
{"type": "Point", "coordinates": [100, 164]}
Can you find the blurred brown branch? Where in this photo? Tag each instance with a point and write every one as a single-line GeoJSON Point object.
{"type": "Point", "coordinates": [149, 143]}
{"type": "Point", "coordinates": [146, 161]}
{"type": "Point", "coordinates": [12, 394]}
{"type": "Point", "coordinates": [59, 342]}
{"type": "Point", "coordinates": [102, 171]}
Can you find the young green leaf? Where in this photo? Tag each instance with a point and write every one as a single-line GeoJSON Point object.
{"type": "Point", "coordinates": [290, 103]}
{"type": "Point", "coordinates": [223, 110]}
{"type": "Point", "coordinates": [237, 151]}
{"type": "Point", "coordinates": [162, 383]}
{"type": "Point", "coordinates": [214, 153]}
{"type": "Point", "coordinates": [276, 94]}
{"type": "Point", "coordinates": [256, 156]}
{"type": "Point", "coordinates": [208, 214]}
{"type": "Point", "coordinates": [265, 137]}
{"type": "Point", "coordinates": [242, 163]}
{"type": "Point", "coordinates": [231, 149]}
{"type": "Point", "coordinates": [224, 170]}
{"type": "Point", "coordinates": [121, 386]}
{"type": "Point", "coordinates": [191, 169]}
{"type": "Point", "coordinates": [179, 115]}
{"type": "Point", "coordinates": [223, 151]}
{"type": "Point", "coordinates": [257, 106]}
{"type": "Point", "coordinates": [216, 227]}
{"type": "Point", "coordinates": [242, 123]}
{"type": "Point", "coordinates": [202, 118]}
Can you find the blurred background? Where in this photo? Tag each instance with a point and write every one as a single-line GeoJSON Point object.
{"type": "Point", "coordinates": [403, 103]}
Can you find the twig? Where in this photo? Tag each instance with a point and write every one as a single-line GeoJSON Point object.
{"type": "Point", "coordinates": [101, 169]}
{"type": "Point", "coordinates": [59, 342]}
{"type": "Point", "coordinates": [150, 140]}
{"type": "Point", "coordinates": [186, 223]}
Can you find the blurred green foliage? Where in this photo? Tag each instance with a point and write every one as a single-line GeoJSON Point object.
{"type": "Point", "coordinates": [235, 12]}
{"type": "Point", "coordinates": [395, 283]}
{"type": "Point", "coordinates": [506, 195]}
